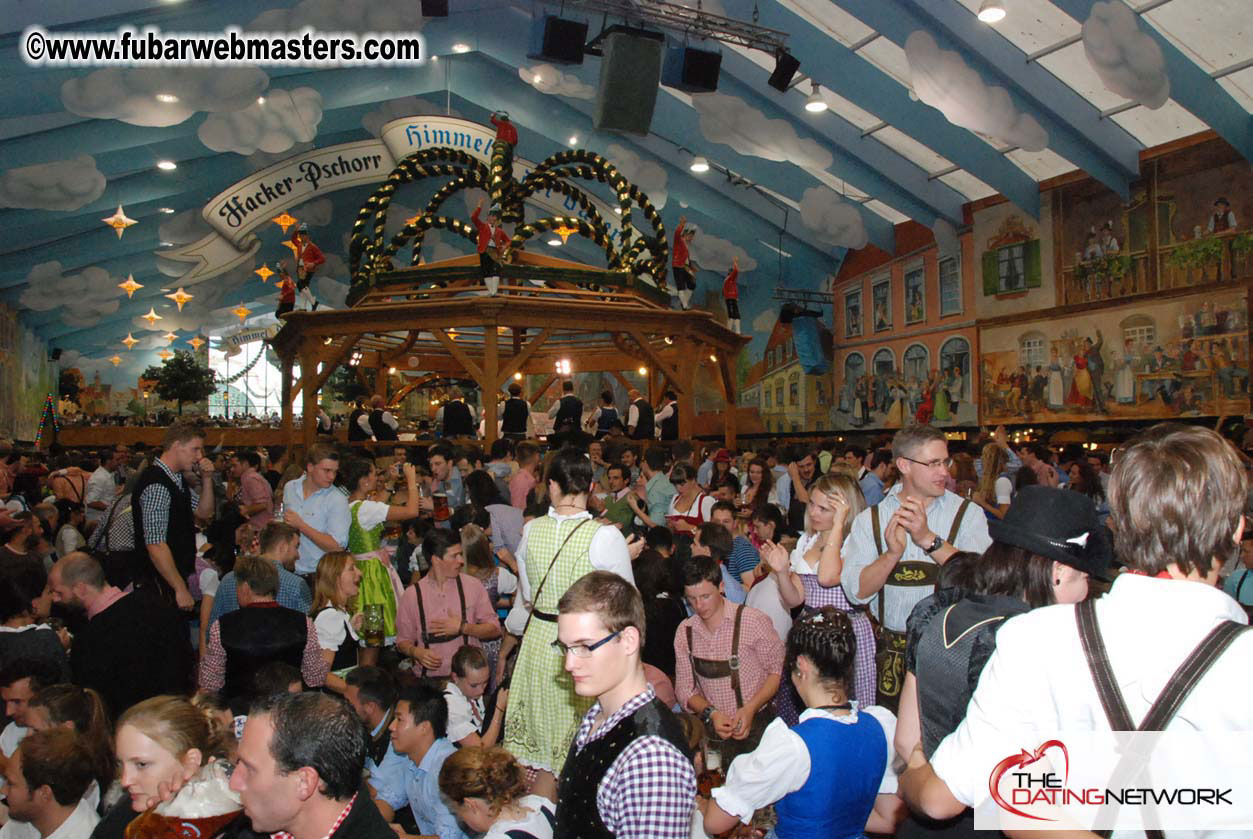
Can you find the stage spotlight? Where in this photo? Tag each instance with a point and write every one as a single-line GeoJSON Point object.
{"type": "Point", "coordinates": [785, 67]}
{"type": "Point", "coordinates": [992, 11]}
{"type": "Point", "coordinates": [699, 164]}
{"type": "Point", "coordinates": [815, 104]}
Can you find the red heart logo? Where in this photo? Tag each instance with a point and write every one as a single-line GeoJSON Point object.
{"type": "Point", "coordinates": [1025, 758]}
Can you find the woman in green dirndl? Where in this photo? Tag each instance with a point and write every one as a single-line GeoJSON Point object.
{"type": "Point", "coordinates": [380, 585]}
{"type": "Point", "coordinates": [556, 550]}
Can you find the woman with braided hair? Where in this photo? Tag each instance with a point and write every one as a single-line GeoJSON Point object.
{"type": "Point", "coordinates": [831, 774]}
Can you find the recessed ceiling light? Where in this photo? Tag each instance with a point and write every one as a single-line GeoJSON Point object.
{"type": "Point", "coordinates": [554, 242]}
{"type": "Point", "coordinates": [991, 11]}
{"type": "Point", "coordinates": [167, 244]}
{"type": "Point", "coordinates": [167, 165]}
{"type": "Point", "coordinates": [538, 78]}
{"type": "Point", "coordinates": [700, 164]}
{"type": "Point", "coordinates": [167, 210]}
{"type": "Point", "coordinates": [815, 103]}
{"type": "Point", "coordinates": [618, 210]}
{"type": "Point", "coordinates": [435, 58]}
{"type": "Point", "coordinates": [459, 47]}
{"type": "Point", "coordinates": [574, 139]}
{"type": "Point", "coordinates": [260, 100]}
{"type": "Point", "coordinates": [168, 98]}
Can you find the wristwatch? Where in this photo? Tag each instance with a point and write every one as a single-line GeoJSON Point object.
{"type": "Point", "coordinates": [934, 546]}
{"type": "Point", "coordinates": [707, 715]}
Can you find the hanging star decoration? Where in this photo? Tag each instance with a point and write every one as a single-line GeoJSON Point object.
{"type": "Point", "coordinates": [152, 317]}
{"type": "Point", "coordinates": [242, 312]}
{"type": "Point", "coordinates": [284, 221]}
{"type": "Point", "coordinates": [413, 219]}
{"type": "Point", "coordinates": [196, 343]}
{"type": "Point", "coordinates": [170, 336]}
{"type": "Point", "coordinates": [295, 253]}
{"type": "Point", "coordinates": [130, 286]}
{"type": "Point", "coordinates": [130, 341]}
{"type": "Point", "coordinates": [119, 221]}
{"type": "Point", "coordinates": [165, 355]}
{"type": "Point", "coordinates": [264, 272]}
{"type": "Point", "coordinates": [565, 232]}
{"type": "Point", "coordinates": [115, 360]}
{"type": "Point", "coordinates": [180, 297]}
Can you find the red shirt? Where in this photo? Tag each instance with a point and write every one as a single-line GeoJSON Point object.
{"type": "Point", "coordinates": [308, 255]}
{"type": "Point", "coordinates": [286, 291]}
{"type": "Point", "coordinates": [731, 289]}
{"type": "Point", "coordinates": [489, 236]}
{"type": "Point", "coordinates": [679, 260]}
{"type": "Point", "coordinates": [505, 130]}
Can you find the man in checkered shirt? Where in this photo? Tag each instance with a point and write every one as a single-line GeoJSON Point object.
{"type": "Point", "coordinates": [628, 774]}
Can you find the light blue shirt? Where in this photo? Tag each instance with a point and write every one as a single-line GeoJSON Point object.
{"type": "Point", "coordinates": [659, 492]}
{"type": "Point", "coordinates": [1240, 586]}
{"type": "Point", "coordinates": [872, 488]}
{"type": "Point", "coordinates": [455, 491]}
{"type": "Point", "coordinates": [783, 489]}
{"type": "Point", "coordinates": [326, 510]}
{"type": "Point", "coordinates": [389, 777]}
{"type": "Point", "coordinates": [732, 589]}
{"type": "Point", "coordinates": [429, 808]}
{"type": "Point", "coordinates": [705, 473]}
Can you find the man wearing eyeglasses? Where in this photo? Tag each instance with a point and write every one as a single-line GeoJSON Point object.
{"type": "Point", "coordinates": [893, 553]}
{"type": "Point", "coordinates": [627, 774]}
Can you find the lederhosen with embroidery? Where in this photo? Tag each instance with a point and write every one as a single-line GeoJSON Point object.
{"type": "Point", "coordinates": [427, 638]}
{"type": "Point", "coordinates": [890, 659]}
{"type": "Point", "coordinates": [709, 668]}
{"type": "Point", "coordinates": [1178, 687]}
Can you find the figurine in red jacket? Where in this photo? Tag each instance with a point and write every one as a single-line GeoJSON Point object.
{"type": "Point", "coordinates": [731, 295]}
{"type": "Point", "coordinates": [681, 263]}
{"type": "Point", "coordinates": [308, 258]}
{"type": "Point", "coordinates": [492, 244]}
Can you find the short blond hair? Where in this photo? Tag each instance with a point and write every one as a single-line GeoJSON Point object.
{"type": "Point", "coordinates": [609, 597]}
{"type": "Point", "coordinates": [1176, 495]}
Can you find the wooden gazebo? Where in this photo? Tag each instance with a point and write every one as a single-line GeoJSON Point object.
{"type": "Point", "coordinates": [436, 320]}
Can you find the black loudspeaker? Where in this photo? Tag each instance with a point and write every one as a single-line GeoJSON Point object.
{"type": "Point", "coordinates": [434, 8]}
{"type": "Point", "coordinates": [56, 353]}
{"type": "Point", "coordinates": [785, 67]}
{"type": "Point", "coordinates": [691, 70]}
{"type": "Point", "coordinates": [558, 39]}
{"type": "Point", "coordinates": [629, 73]}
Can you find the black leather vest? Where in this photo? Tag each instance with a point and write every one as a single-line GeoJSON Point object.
{"type": "Point", "coordinates": [180, 532]}
{"type": "Point", "coordinates": [354, 428]}
{"type": "Point", "coordinates": [570, 414]}
{"type": "Point", "coordinates": [670, 425]}
{"type": "Point", "coordinates": [458, 422]}
{"type": "Point", "coordinates": [644, 428]}
{"type": "Point", "coordinates": [382, 431]}
{"type": "Point", "coordinates": [516, 413]}
{"type": "Point", "coordinates": [253, 637]}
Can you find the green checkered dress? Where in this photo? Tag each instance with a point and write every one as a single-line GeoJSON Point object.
{"type": "Point", "coordinates": [544, 710]}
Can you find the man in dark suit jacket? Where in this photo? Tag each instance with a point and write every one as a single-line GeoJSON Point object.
{"type": "Point", "coordinates": [299, 770]}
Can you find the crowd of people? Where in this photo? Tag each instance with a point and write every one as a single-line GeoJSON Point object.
{"type": "Point", "coordinates": [608, 637]}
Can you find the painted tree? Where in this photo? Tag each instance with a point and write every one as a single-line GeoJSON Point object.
{"type": "Point", "coordinates": [344, 386]}
{"type": "Point", "coordinates": [181, 379]}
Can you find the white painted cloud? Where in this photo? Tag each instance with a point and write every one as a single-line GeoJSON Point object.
{"type": "Point", "coordinates": [832, 219]}
{"type": "Point", "coordinates": [764, 322]}
{"type": "Point", "coordinates": [80, 299]}
{"type": "Point", "coordinates": [315, 213]}
{"type": "Point", "coordinates": [281, 120]}
{"type": "Point", "coordinates": [130, 95]}
{"type": "Point", "coordinates": [943, 80]}
{"type": "Point", "coordinates": [259, 160]}
{"type": "Point", "coordinates": [437, 245]}
{"type": "Point", "coordinates": [406, 106]}
{"type": "Point", "coordinates": [714, 254]}
{"type": "Point", "coordinates": [60, 185]}
{"type": "Point", "coordinates": [182, 228]}
{"type": "Point", "coordinates": [334, 268]}
{"type": "Point", "coordinates": [1128, 60]}
{"type": "Point", "coordinates": [645, 173]}
{"type": "Point", "coordinates": [548, 79]}
{"type": "Point", "coordinates": [731, 121]}
{"type": "Point", "coordinates": [341, 16]}
{"type": "Point", "coordinates": [330, 292]}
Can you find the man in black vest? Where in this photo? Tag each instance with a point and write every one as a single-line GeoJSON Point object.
{"type": "Point", "coordinates": [162, 508]}
{"type": "Point", "coordinates": [516, 419]}
{"type": "Point", "coordinates": [258, 632]}
{"type": "Point", "coordinates": [668, 417]}
{"type": "Point", "coordinates": [358, 430]}
{"type": "Point", "coordinates": [629, 752]}
{"type": "Point", "coordinates": [567, 413]}
{"type": "Point", "coordinates": [458, 418]}
{"type": "Point", "coordinates": [639, 417]}
{"type": "Point", "coordinates": [382, 424]}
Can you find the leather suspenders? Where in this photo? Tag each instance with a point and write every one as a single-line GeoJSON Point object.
{"type": "Point", "coordinates": [708, 668]}
{"type": "Point", "coordinates": [429, 639]}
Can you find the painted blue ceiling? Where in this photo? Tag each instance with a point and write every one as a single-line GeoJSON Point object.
{"type": "Point", "coordinates": [758, 211]}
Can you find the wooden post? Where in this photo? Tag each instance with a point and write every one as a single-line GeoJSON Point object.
{"type": "Point", "coordinates": [380, 380]}
{"type": "Point", "coordinates": [730, 419]}
{"type": "Point", "coordinates": [285, 396]}
{"type": "Point", "coordinates": [688, 364]}
{"type": "Point", "coordinates": [308, 369]}
{"type": "Point", "coordinates": [490, 387]}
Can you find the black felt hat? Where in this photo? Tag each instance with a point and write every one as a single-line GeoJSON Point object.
{"type": "Point", "coordinates": [1059, 524]}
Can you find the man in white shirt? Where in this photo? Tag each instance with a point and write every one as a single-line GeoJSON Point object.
{"type": "Point", "coordinates": [893, 553]}
{"type": "Point", "coordinates": [1176, 498]}
{"type": "Point", "coordinates": [20, 680]}
{"type": "Point", "coordinates": [45, 783]}
{"type": "Point", "coordinates": [102, 489]}
{"type": "Point", "coordinates": [313, 506]}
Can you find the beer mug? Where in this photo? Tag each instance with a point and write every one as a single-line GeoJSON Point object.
{"type": "Point", "coordinates": [372, 625]}
{"type": "Point", "coordinates": [440, 502]}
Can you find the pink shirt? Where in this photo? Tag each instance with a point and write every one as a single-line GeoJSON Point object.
{"type": "Point", "coordinates": [108, 596]}
{"type": "Point", "coordinates": [519, 485]}
{"type": "Point", "coordinates": [442, 602]}
{"type": "Point", "coordinates": [761, 655]}
{"type": "Point", "coordinates": [255, 489]}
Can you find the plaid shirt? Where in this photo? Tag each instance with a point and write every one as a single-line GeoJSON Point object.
{"type": "Point", "coordinates": [283, 834]}
{"type": "Point", "coordinates": [313, 665]}
{"type": "Point", "coordinates": [761, 656]}
{"type": "Point", "coordinates": [155, 504]}
{"type": "Point", "coordinates": [649, 790]}
{"type": "Point", "coordinates": [117, 529]}
{"type": "Point", "coordinates": [293, 592]}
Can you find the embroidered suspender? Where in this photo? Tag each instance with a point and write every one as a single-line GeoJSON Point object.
{"type": "Point", "coordinates": [712, 669]}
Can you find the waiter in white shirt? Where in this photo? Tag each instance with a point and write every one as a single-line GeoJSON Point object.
{"type": "Point", "coordinates": [893, 553]}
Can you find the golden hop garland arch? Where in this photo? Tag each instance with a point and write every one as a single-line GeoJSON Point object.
{"type": "Point", "coordinates": [370, 256]}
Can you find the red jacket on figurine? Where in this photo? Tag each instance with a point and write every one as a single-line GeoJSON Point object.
{"type": "Point", "coordinates": [308, 255]}
{"type": "Point", "coordinates": [489, 236]}
{"type": "Point", "coordinates": [730, 288]}
{"type": "Point", "coordinates": [504, 128]}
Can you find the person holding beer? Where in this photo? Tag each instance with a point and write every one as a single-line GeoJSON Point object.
{"type": "Point", "coordinates": [444, 610]}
